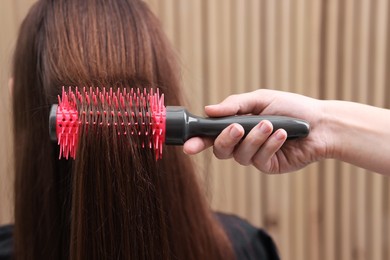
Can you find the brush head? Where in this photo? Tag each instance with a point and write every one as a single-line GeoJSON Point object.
{"type": "Point", "coordinates": [131, 111]}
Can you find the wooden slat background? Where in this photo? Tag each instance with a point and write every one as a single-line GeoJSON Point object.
{"type": "Point", "coordinates": [324, 49]}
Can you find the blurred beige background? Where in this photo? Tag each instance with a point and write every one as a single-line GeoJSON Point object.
{"type": "Point", "coordinates": [11, 15]}
{"type": "Point", "coordinates": [325, 49]}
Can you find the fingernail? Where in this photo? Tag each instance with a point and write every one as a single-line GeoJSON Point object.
{"type": "Point", "coordinates": [280, 135]}
{"type": "Point", "coordinates": [264, 128]}
{"type": "Point", "coordinates": [235, 132]}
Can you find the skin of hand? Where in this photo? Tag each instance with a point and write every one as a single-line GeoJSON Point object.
{"type": "Point", "coordinates": [270, 153]}
{"type": "Point", "coordinates": [351, 132]}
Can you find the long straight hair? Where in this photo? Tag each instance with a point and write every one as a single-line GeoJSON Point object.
{"type": "Point", "coordinates": [114, 201]}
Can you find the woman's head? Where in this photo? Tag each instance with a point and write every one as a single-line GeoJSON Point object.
{"type": "Point", "coordinates": [114, 200]}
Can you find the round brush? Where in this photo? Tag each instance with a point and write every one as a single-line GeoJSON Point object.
{"type": "Point", "coordinates": [142, 113]}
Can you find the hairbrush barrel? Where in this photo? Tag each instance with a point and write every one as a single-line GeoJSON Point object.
{"type": "Point", "coordinates": [142, 114]}
{"type": "Point", "coordinates": [128, 111]}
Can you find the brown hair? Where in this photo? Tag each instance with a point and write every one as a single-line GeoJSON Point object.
{"type": "Point", "coordinates": [114, 200]}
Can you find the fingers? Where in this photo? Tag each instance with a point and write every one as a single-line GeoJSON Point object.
{"type": "Point", "coordinates": [262, 159]}
{"type": "Point", "coordinates": [226, 142]}
{"type": "Point", "coordinates": [252, 142]}
{"type": "Point", "coordinates": [258, 147]}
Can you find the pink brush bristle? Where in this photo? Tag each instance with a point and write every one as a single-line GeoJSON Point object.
{"type": "Point", "coordinates": [135, 112]}
{"type": "Point", "coordinates": [67, 124]}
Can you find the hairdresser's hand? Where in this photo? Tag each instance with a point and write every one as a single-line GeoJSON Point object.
{"type": "Point", "coordinates": [270, 153]}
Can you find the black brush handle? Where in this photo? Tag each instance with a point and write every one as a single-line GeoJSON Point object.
{"type": "Point", "coordinates": [182, 125]}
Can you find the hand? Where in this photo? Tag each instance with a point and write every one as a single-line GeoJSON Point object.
{"type": "Point", "coordinates": [270, 153]}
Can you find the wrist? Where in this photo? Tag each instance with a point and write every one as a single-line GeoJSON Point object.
{"type": "Point", "coordinates": [329, 127]}
{"type": "Point", "coordinates": [344, 128]}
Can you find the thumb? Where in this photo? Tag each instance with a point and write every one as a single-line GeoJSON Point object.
{"type": "Point", "coordinates": [219, 110]}
{"type": "Point", "coordinates": [245, 103]}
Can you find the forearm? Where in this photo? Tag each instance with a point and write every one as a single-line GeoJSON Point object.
{"type": "Point", "coordinates": [359, 134]}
